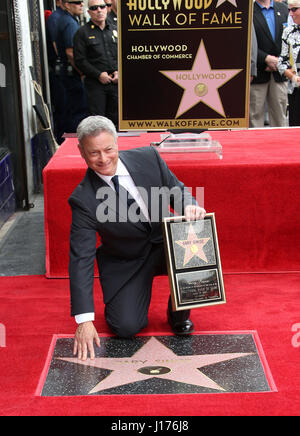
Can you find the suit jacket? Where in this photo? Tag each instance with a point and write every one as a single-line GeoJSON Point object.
{"type": "Point", "coordinates": [266, 44]}
{"type": "Point", "coordinates": [125, 246]}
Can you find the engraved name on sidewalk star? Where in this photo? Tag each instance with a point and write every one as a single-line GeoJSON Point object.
{"type": "Point", "coordinates": [156, 360]}
{"type": "Point", "coordinates": [193, 246]}
{"type": "Point", "coordinates": [201, 83]}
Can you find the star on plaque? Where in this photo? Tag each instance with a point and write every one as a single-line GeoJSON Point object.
{"type": "Point", "coordinates": [201, 83]}
{"type": "Point", "coordinates": [193, 246]}
{"type": "Point", "coordinates": [220, 2]}
{"type": "Point", "coordinates": [156, 360]}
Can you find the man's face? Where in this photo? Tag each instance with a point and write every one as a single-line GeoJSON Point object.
{"type": "Point", "coordinates": [114, 5]}
{"type": "Point", "coordinates": [100, 153]}
{"type": "Point", "coordinates": [99, 15]}
{"type": "Point", "coordinates": [74, 7]}
{"type": "Point", "coordinates": [295, 13]}
{"type": "Point", "coordinates": [108, 4]}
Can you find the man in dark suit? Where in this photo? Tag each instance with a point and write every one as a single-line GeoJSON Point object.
{"type": "Point", "coordinates": [268, 86]}
{"type": "Point", "coordinates": [131, 253]}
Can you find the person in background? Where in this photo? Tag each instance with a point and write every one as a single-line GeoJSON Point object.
{"type": "Point", "coordinates": [47, 14]}
{"type": "Point", "coordinates": [290, 20]}
{"type": "Point", "coordinates": [108, 5]}
{"type": "Point", "coordinates": [112, 14]}
{"type": "Point", "coordinates": [96, 55]}
{"type": "Point", "coordinates": [268, 86]}
{"type": "Point", "coordinates": [67, 26]}
{"type": "Point", "coordinates": [57, 90]}
{"type": "Point", "coordinates": [289, 62]}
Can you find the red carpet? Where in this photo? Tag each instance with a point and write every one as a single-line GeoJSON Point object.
{"type": "Point", "coordinates": [33, 309]}
{"type": "Point", "coordinates": [253, 191]}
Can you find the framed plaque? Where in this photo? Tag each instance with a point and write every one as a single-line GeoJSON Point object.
{"type": "Point", "coordinates": [193, 260]}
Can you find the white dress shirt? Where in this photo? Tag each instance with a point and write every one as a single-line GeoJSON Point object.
{"type": "Point", "coordinates": [127, 182]}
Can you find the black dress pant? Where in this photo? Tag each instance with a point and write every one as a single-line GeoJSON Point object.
{"type": "Point", "coordinates": [58, 100]}
{"type": "Point", "coordinates": [127, 312]}
{"type": "Point", "coordinates": [102, 99]}
{"type": "Point", "coordinates": [294, 108]}
{"type": "Point", "coordinates": [75, 102]}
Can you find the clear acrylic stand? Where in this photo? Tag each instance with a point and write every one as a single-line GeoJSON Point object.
{"type": "Point", "coordinates": [190, 143]}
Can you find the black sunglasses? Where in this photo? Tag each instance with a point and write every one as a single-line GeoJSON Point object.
{"type": "Point", "coordinates": [76, 2]}
{"type": "Point", "coordinates": [108, 5]}
{"type": "Point", "coordinates": [293, 9]}
{"type": "Point", "coordinates": [95, 7]}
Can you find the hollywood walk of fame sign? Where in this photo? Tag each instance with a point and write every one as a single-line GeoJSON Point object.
{"type": "Point", "coordinates": [184, 64]}
{"type": "Point", "coordinates": [194, 264]}
{"type": "Point", "coordinates": [212, 362]}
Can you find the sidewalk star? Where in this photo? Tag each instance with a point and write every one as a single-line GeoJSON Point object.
{"type": "Point", "coordinates": [156, 360]}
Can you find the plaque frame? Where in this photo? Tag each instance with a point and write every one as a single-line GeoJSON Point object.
{"type": "Point", "coordinates": [204, 271]}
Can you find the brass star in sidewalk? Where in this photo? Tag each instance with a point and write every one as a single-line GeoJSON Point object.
{"type": "Point", "coordinates": [156, 360]}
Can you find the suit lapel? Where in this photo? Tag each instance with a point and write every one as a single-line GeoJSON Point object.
{"type": "Point", "coordinates": [278, 24]}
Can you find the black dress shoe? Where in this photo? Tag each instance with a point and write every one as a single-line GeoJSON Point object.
{"type": "Point", "coordinates": [180, 328]}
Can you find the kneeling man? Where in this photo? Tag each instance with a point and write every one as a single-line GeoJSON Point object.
{"type": "Point", "coordinates": [113, 201]}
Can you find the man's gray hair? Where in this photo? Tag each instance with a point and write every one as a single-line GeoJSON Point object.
{"type": "Point", "coordinates": [93, 126]}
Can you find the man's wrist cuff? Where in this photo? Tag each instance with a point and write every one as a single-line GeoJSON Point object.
{"type": "Point", "coordinates": [85, 317]}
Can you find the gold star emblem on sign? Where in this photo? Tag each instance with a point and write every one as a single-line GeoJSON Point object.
{"type": "Point", "coordinates": [201, 83]}
{"type": "Point", "coordinates": [220, 2]}
{"type": "Point", "coordinates": [193, 246]}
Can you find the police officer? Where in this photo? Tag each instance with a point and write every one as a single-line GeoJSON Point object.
{"type": "Point", "coordinates": [95, 54]}
{"type": "Point", "coordinates": [112, 13]}
{"type": "Point", "coordinates": [57, 89]}
{"type": "Point", "coordinates": [67, 26]}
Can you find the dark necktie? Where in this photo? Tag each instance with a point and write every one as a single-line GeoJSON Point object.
{"type": "Point", "coordinates": [121, 191]}
{"type": "Point", "coordinates": [130, 199]}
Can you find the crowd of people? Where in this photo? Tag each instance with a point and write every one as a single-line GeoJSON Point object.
{"type": "Point", "coordinates": [83, 63]}
{"type": "Point", "coordinates": [274, 89]}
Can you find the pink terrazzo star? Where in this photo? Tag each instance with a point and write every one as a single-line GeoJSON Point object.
{"type": "Point", "coordinates": [156, 360]}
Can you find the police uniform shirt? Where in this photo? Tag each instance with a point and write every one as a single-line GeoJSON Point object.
{"type": "Point", "coordinates": [67, 26]}
{"type": "Point", "coordinates": [112, 18]}
{"type": "Point", "coordinates": [95, 50]}
{"type": "Point", "coordinates": [51, 28]}
{"type": "Point", "coordinates": [52, 22]}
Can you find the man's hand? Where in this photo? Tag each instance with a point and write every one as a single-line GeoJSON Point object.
{"type": "Point", "coordinates": [272, 62]}
{"type": "Point", "coordinates": [84, 340]}
{"type": "Point", "coordinates": [115, 77]}
{"type": "Point", "coordinates": [296, 80]}
{"type": "Point", "coordinates": [104, 78]}
{"type": "Point", "coordinates": [193, 213]}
